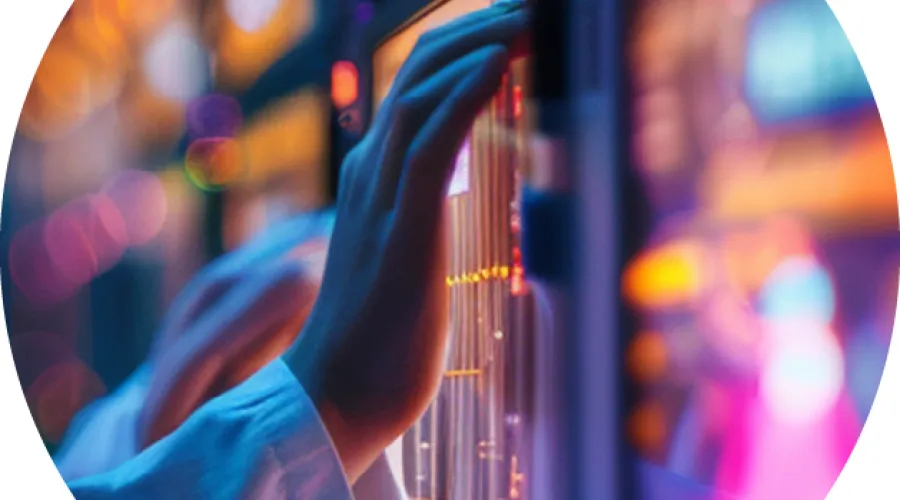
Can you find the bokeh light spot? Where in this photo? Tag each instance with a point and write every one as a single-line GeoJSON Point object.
{"type": "Point", "coordinates": [344, 84]}
{"type": "Point", "coordinates": [32, 270]}
{"type": "Point", "coordinates": [106, 230]}
{"type": "Point", "coordinates": [214, 116]}
{"type": "Point", "coordinates": [648, 428]}
{"type": "Point", "coordinates": [803, 376]}
{"type": "Point", "coordinates": [60, 95]}
{"type": "Point", "coordinates": [251, 15]}
{"type": "Point", "coordinates": [668, 276]}
{"type": "Point", "coordinates": [59, 393]}
{"type": "Point", "coordinates": [799, 288]}
{"type": "Point", "coordinates": [70, 250]}
{"type": "Point", "coordinates": [141, 201]}
{"type": "Point", "coordinates": [648, 357]}
{"type": "Point", "coordinates": [175, 64]}
{"type": "Point", "coordinates": [211, 164]}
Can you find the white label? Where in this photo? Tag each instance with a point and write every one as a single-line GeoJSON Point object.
{"type": "Point", "coordinates": [459, 183]}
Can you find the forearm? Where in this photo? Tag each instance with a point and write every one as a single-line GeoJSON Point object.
{"type": "Point", "coordinates": [261, 440]}
{"type": "Point", "coordinates": [104, 434]}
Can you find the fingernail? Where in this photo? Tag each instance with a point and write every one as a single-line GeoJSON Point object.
{"type": "Point", "coordinates": [509, 5]}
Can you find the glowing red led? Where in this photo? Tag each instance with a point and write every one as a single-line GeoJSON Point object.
{"type": "Point", "coordinates": [344, 84]}
{"type": "Point", "coordinates": [517, 101]}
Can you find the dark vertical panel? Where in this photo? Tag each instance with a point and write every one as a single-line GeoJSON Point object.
{"type": "Point", "coordinates": [126, 307]}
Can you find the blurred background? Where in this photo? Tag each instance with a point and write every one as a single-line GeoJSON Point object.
{"type": "Point", "coordinates": [765, 293]}
{"type": "Point", "coordinates": [135, 163]}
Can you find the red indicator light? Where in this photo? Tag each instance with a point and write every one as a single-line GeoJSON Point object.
{"type": "Point", "coordinates": [517, 101]}
{"type": "Point", "coordinates": [344, 84]}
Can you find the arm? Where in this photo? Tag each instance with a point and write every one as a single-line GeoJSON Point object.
{"type": "Point", "coordinates": [103, 437]}
{"type": "Point", "coordinates": [104, 434]}
{"type": "Point", "coordinates": [262, 440]}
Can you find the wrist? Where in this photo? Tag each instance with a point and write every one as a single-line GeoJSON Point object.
{"type": "Point", "coordinates": [356, 450]}
{"type": "Point", "coordinates": [356, 444]}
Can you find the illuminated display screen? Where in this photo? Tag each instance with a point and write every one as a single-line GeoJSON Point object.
{"type": "Point", "coordinates": [471, 444]}
{"type": "Point", "coordinates": [393, 53]}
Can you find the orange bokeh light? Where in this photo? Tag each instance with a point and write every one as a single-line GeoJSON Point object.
{"type": "Point", "coordinates": [668, 276]}
{"type": "Point", "coordinates": [344, 84]}
{"type": "Point", "coordinates": [213, 163]}
{"type": "Point", "coordinates": [648, 357]}
{"type": "Point", "coordinates": [648, 428]}
{"type": "Point", "coordinates": [60, 95]}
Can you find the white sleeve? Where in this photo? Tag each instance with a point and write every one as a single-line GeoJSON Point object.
{"type": "Point", "coordinates": [104, 434]}
{"type": "Point", "coordinates": [379, 483]}
{"type": "Point", "coordinates": [260, 441]}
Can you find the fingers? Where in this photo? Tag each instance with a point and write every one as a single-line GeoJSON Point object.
{"type": "Point", "coordinates": [476, 18]}
{"type": "Point", "coordinates": [244, 317]}
{"type": "Point", "coordinates": [431, 155]}
{"type": "Point", "coordinates": [412, 111]}
{"type": "Point", "coordinates": [216, 280]}
{"type": "Point", "coordinates": [435, 50]}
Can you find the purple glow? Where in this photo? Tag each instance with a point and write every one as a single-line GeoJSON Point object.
{"type": "Point", "coordinates": [364, 12]}
{"type": "Point", "coordinates": [214, 116]}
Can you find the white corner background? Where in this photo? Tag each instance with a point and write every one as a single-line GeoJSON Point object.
{"type": "Point", "coordinates": [26, 471]}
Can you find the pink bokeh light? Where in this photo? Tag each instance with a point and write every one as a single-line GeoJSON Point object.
{"type": "Point", "coordinates": [141, 201]}
{"type": "Point", "coordinates": [32, 269]}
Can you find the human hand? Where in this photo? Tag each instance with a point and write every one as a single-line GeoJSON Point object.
{"type": "Point", "coordinates": [372, 353]}
{"type": "Point", "coordinates": [236, 316]}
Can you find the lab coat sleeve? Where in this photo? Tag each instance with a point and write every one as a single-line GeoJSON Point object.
{"type": "Point", "coordinates": [379, 483]}
{"type": "Point", "coordinates": [104, 434]}
{"type": "Point", "coordinates": [260, 441]}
